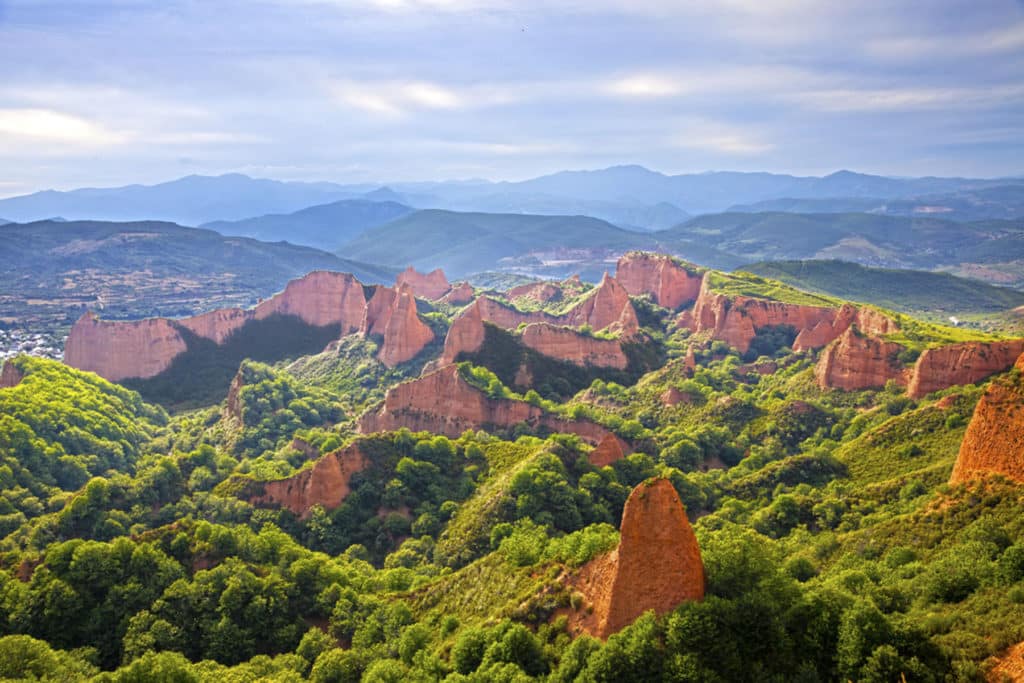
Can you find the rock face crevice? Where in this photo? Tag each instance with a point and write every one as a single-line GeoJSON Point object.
{"type": "Point", "coordinates": [668, 282]}
{"type": "Point", "coordinates": [326, 483]}
{"type": "Point", "coordinates": [858, 361]}
{"type": "Point", "coordinates": [443, 402]}
{"type": "Point", "coordinates": [994, 441]}
{"type": "Point", "coordinates": [657, 565]}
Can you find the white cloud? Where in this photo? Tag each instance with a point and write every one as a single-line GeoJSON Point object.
{"type": "Point", "coordinates": [907, 99]}
{"type": "Point", "coordinates": [928, 47]}
{"type": "Point", "coordinates": [644, 85]}
{"type": "Point", "coordinates": [47, 125]}
{"type": "Point", "coordinates": [716, 136]}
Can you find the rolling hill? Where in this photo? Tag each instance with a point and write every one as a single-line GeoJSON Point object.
{"type": "Point", "coordinates": [50, 272]}
{"type": "Point", "coordinates": [325, 226]}
{"type": "Point", "coordinates": [464, 243]}
{"type": "Point", "coordinates": [908, 291]}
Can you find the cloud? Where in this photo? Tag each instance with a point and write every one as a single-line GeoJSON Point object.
{"type": "Point", "coordinates": [26, 125]}
{"type": "Point", "coordinates": [644, 85]}
{"type": "Point", "coordinates": [720, 137]}
{"type": "Point", "coordinates": [909, 99]}
{"type": "Point", "coordinates": [394, 99]}
{"type": "Point", "coordinates": [945, 47]}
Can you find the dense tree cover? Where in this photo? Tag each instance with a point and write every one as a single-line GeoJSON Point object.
{"type": "Point", "coordinates": [833, 548]}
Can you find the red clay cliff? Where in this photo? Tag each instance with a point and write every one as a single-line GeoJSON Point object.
{"type": "Point", "coordinates": [432, 285]}
{"type": "Point", "coordinates": [994, 441]}
{"type": "Point", "coordinates": [669, 283]}
{"type": "Point", "coordinates": [657, 565]}
{"type": "Point", "coordinates": [326, 483]}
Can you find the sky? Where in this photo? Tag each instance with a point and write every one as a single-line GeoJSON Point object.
{"type": "Point", "coordinates": [126, 91]}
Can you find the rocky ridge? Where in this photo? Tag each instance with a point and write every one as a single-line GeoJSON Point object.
{"type": "Point", "coordinates": [443, 402]}
{"type": "Point", "coordinates": [326, 483]}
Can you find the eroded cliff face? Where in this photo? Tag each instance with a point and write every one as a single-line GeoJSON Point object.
{"type": "Point", "coordinates": [567, 344]}
{"type": "Point", "coordinates": [10, 376]}
{"type": "Point", "coordinates": [405, 335]}
{"type": "Point", "coordinates": [543, 292]}
{"type": "Point", "coordinates": [378, 311]}
{"type": "Point", "coordinates": [830, 328]}
{"type": "Point", "coordinates": [432, 285]}
{"type": "Point", "coordinates": [608, 304]}
{"type": "Point", "coordinates": [459, 294]}
{"type": "Point", "coordinates": [967, 363]}
{"type": "Point", "coordinates": [610, 450]}
{"type": "Point", "coordinates": [994, 441]}
{"type": "Point", "coordinates": [657, 565]}
{"type": "Point", "coordinates": [670, 284]}
{"type": "Point", "coordinates": [320, 298]}
{"type": "Point", "coordinates": [444, 403]}
{"type": "Point", "coordinates": [858, 361]}
{"type": "Point", "coordinates": [120, 350]}
{"type": "Point", "coordinates": [325, 484]}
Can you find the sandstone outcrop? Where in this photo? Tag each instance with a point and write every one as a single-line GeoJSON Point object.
{"type": "Point", "coordinates": [541, 292]}
{"type": "Point", "coordinates": [405, 335]}
{"type": "Point", "coordinates": [611, 449]}
{"type": "Point", "coordinates": [994, 441]}
{"type": "Point", "coordinates": [867, 320]}
{"type": "Point", "coordinates": [233, 405]}
{"type": "Point", "coordinates": [1009, 668]}
{"type": "Point", "coordinates": [569, 345]}
{"type": "Point", "coordinates": [319, 298]}
{"type": "Point", "coordinates": [10, 376]}
{"type": "Point", "coordinates": [606, 305]}
{"type": "Point", "coordinates": [657, 565]}
{"type": "Point", "coordinates": [966, 363]}
{"type": "Point", "coordinates": [378, 311]}
{"type": "Point", "coordinates": [857, 361]}
{"type": "Point", "coordinates": [119, 350]}
{"type": "Point", "coordinates": [432, 285]}
{"type": "Point", "coordinates": [668, 282]}
{"type": "Point", "coordinates": [217, 325]}
{"type": "Point", "coordinates": [443, 402]}
{"type": "Point", "coordinates": [459, 294]}
{"type": "Point", "coordinates": [466, 334]}
{"type": "Point", "coordinates": [326, 483]}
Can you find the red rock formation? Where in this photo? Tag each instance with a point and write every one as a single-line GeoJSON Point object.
{"type": "Point", "coordinates": [668, 282]}
{"type": "Point", "coordinates": [378, 311]}
{"type": "Point", "coordinates": [955, 364]}
{"type": "Point", "coordinates": [320, 298]}
{"type": "Point", "coordinates": [217, 325]}
{"type": "Point", "coordinates": [994, 441]}
{"type": "Point", "coordinates": [736, 319]}
{"type": "Point", "coordinates": [466, 333]}
{"type": "Point", "coordinates": [10, 376]}
{"type": "Point", "coordinates": [405, 334]}
{"type": "Point", "coordinates": [604, 306]}
{"type": "Point", "coordinates": [867, 320]}
{"type": "Point", "coordinates": [611, 449]}
{"type": "Point", "coordinates": [567, 344]}
{"type": "Point", "coordinates": [233, 405]}
{"type": "Point", "coordinates": [459, 294]}
{"type": "Point", "coordinates": [144, 348]}
{"type": "Point", "coordinates": [326, 483]}
{"type": "Point", "coordinates": [433, 285]}
{"type": "Point", "coordinates": [671, 397]}
{"type": "Point", "coordinates": [858, 361]}
{"type": "Point", "coordinates": [119, 350]}
{"type": "Point", "coordinates": [541, 292]}
{"type": "Point", "coordinates": [657, 565]}
{"type": "Point", "coordinates": [1009, 668]}
{"type": "Point", "coordinates": [442, 402]}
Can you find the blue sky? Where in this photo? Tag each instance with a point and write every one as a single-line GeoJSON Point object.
{"type": "Point", "coordinates": [105, 93]}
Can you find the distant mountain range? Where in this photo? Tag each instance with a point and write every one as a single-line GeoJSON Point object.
{"type": "Point", "coordinates": [632, 197]}
{"type": "Point", "coordinates": [326, 226]}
